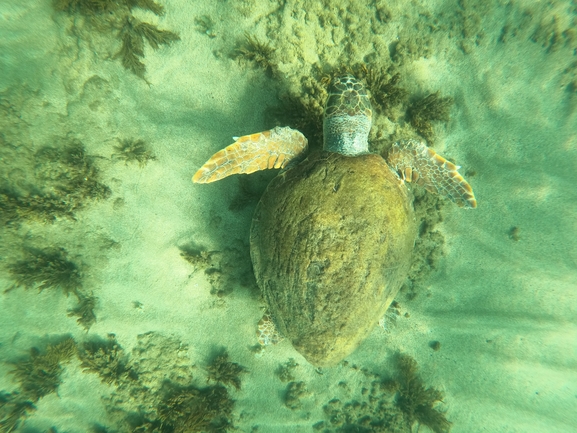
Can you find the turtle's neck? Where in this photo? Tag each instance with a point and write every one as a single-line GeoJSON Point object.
{"type": "Point", "coordinates": [347, 134]}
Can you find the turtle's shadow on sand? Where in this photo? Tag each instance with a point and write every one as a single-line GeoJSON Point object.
{"type": "Point", "coordinates": [231, 202]}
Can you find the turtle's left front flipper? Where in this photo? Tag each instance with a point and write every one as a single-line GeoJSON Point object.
{"type": "Point", "coordinates": [269, 149]}
{"type": "Point", "coordinates": [418, 163]}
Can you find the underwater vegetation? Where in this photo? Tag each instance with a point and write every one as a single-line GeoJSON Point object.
{"type": "Point", "coordinates": [199, 258]}
{"type": "Point", "coordinates": [386, 405]}
{"type": "Point", "coordinates": [285, 372]}
{"type": "Point", "coordinates": [224, 371]}
{"type": "Point", "coordinates": [211, 262]}
{"type": "Point", "coordinates": [416, 401]}
{"type": "Point", "coordinates": [385, 92]}
{"type": "Point", "coordinates": [131, 51]}
{"type": "Point", "coordinates": [84, 310]}
{"type": "Point", "coordinates": [373, 412]}
{"type": "Point", "coordinates": [14, 409]}
{"type": "Point", "coordinates": [50, 268]}
{"type": "Point", "coordinates": [423, 112]}
{"type": "Point", "coordinates": [107, 359]}
{"type": "Point", "coordinates": [223, 269]}
{"type": "Point", "coordinates": [295, 391]}
{"type": "Point", "coordinates": [87, 7]}
{"type": "Point", "coordinates": [133, 35]}
{"type": "Point", "coordinates": [130, 150]}
{"type": "Point", "coordinates": [154, 388]}
{"type": "Point", "coordinates": [191, 409]}
{"type": "Point", "coordinates": [70, 170]}
{"type": "Point", "coordinates": [205, 25]}
{"type": "Point", "coordinates": [260, 53]}
{"type": "Point", "coordinates": [115, 17]}
{"type": "Point", "coordinates": [46, 269]}
{"type": "Point", "coordinates": [152, 35]}
{"type": "Point", "coordinates": [44, 184]}
{"type": "Point", "coordinates": [64, 179]}
{"type": "Point", "coordinates": [15, 207]}
{"type": "Point", "coordinates": [39, 374]}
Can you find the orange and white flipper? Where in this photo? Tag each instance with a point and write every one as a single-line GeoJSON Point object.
{"type": "Point", "coordinates": [415, 162]}
{"type": "Point", "coordinates": [269, 149]}
{"type": "Point", "coordinates": [267, 333]}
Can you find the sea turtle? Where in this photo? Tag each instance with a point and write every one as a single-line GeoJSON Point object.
{"type": "Point", "coordinates": [332, 236]}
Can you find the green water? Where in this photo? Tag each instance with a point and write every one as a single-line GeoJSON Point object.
{"type": "Point", "coordinates": [128, 300]}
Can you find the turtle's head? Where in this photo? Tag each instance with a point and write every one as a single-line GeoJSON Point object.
{"type": "Point", "coordinates": [348, 116]}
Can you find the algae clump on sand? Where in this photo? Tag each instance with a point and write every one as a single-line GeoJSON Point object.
{"type": "Point", "coordinates": [46, 269]}
{"type": "Point", "coordinates": [38, 375]}
{"type": "Point", "coordinates": [62, 181]}
{"type": "Point", "coordinates": [131, 150]}
{"type": "Point", "coordinates": [388, 404]}
{"type": "Point", "coordinates": [50, 268]}
{"type": "Point", "coordinates": [224, 371]}
{"type": "Point", "coordinates": [429, 109]}
{"type": "Point", "coordinates": [116, 17]}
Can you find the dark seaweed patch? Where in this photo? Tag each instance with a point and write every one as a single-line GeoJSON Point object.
{"type": "Point", "coordinates": [193, 409]}
{"type": "Point", "coordinates": [131, 150]}
{"type": "Point", "coordinates": [106, 16]}
{"type": "Point", "coordinates": [66, 178]}
{"type": "Point", "coordinates": [39, 374]}
{"type": "Point", "coordinates": [224, 371]}
{"type": "Point", "coordinates": [260, 53]}
{"type": "Point", "coordinates": [417, 401]}
{"type": "Point", "coordinates": [387, 404]}
{"type": "Point", "coordinates": [84, 311]}
{"type": "Point", "coordinates": [47, 269]}
{"type": "Point", "coordinates": [107, 359]}
{"type": "Point", "coordinates": [432, 108]}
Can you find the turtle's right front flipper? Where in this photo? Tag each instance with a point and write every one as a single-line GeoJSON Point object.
{"type": "Point", "coordinates": [415, 162]}
{"type": "Point", "coordinates": [269, 149]}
